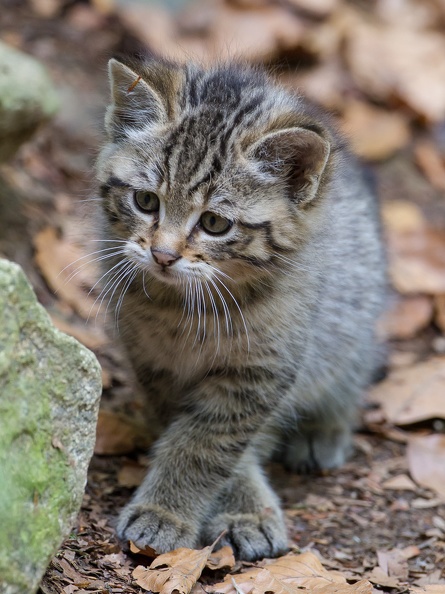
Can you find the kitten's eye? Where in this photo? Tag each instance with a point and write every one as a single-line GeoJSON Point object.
{"type": "Point", "coordinates": [147, 201]}
{"type": "Point", "coordinates": [214, 224]}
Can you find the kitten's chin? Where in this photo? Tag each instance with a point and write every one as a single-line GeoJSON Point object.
{"type": "Point", "coordinates": [167, 277]}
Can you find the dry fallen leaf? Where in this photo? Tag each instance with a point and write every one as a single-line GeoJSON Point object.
{"type": "Point", "coordinates": [406, 317]}
{"type": "Point", "coordinates": [426, 455]}
{"type": "Point", "coordinates": [56, 258]}
{"type": "Point", "coordinates": [393, 62]}
{"type": "Point", "coordinates": [416, 250]}
{"type": "Point", "coordinates": [412, 14]}
{"type": "Point", "coordinates": [394, 563]}
{"type": "Point", "coordinates": [402, 217]}
{"type": "Point", "coordinates": [402, 359]}
{"type": "Point", "coordinates": [116, 559]}
{"type": "Point", "coordinates": [291, 573]}
{"type": "Point", "coordinates": [432, 582]}
{"type": "Point", "coordinates": [374, 133]}
{"type": "Point", "coordinates": [161, 35]}
{"type": "Point", "coordinates": [413, 394]}
{"type": "Point", "coordinates": [316, 8]}
{"type": "Point", "coordinates": [380, 578]}
{"type": "Point", "coordinates": [209, 31]}
{"type": "Point", "coordinates": [392, 570]}
{"type": "Point", "coordinates": [117, 434]}
{"type": "Point", "coordinates": [401, 482]}
{"type": "Point", "coordinates": [147, 552]}
{"type": "Point", "coordinates": [222, 558]}
{"type": "Point", "coordinates": [69, 571]}
{"type": "Point", "coordinates": [421, 503]}
{"type": "Point", "coordinates": [417, 262]}
{"type": "Point", "coordinates": [177, 571]}
{"type": "Point", "coordinates": [324, 84]}
{"type": "Point", "coordinates": [254, 35]}
{"type": "Point", "coordinates": [232, 31]}
{"type": "Point", "coordinates": [431, 163]}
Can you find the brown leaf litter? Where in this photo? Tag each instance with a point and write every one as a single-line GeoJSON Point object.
{"type": "Point", "coordinates": [426, 457]}
{"type": "Point", "coordinates": [416, 250]}
{"type": "Point", "coordinates": [176, 571]}
{"type": "Point", "coordinates": [288, 574]}
{"type": "Point", "coordinates": [414, 394]}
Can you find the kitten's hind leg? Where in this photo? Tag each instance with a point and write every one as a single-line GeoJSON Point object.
{"type": "Point", "coordinates": [249, 512]}
{"type": "Point", "coordinates": [312, 447]}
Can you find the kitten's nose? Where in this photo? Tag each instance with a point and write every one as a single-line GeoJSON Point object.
{"type": "Point", "coordinates": [164, 257]}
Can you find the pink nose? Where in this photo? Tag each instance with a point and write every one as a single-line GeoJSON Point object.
{"type": "Point", "coordinates": [164, 257]}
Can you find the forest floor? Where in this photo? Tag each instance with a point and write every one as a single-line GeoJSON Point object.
{"type": "Point", "coordinates": [382, 515]}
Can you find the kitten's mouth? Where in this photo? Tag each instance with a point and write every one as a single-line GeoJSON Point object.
{"type": "Point", "coordinates": [173, 277]}
{"type": "Point", "coordinates": [166, 275]}
{"type": "Point", "coordinates": [170, 275]}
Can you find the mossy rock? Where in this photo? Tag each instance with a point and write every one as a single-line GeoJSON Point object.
{"type": "Point", "coordinates": [50, 387]}
{"type": "Point", "coordinates": [27, 98]}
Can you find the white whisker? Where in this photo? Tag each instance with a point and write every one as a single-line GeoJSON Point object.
{"type": "Point", "coordinates": [185, 303]}
{"type": "Point", "coordinates": [239, 310]}
{"type": "Point", "coordinates": [107, 241]}
{"type": "Point", "coordinates": [105, 274]}
{"type": "Point", "coordinates": [198, 307]}
{"type": "Point", "coordinates": [216, 329]}
{"type": "Point", "coordinates": [143, 285]}
{"type": "Point", "coordinates": [220, 272]}
{"type": "Point", "coordinates": [83, 258]}
{"type": "Point", "coordinates": [118, 278]}
{"type": "Point", "coordinates": [131, 275]}
{"type": "Point", "coordinates": [190, 316]}
{"type": "Point", "coordinates": [98, 259]}
{"type": "Point", "coordinates": [112, 284]}
{"type": "Point", "coordinates": [227, 317]}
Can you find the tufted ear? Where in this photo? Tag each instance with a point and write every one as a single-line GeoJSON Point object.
{"type": "Point", "coordinates": [134, 103]}
{"type": "Point", "coordinates": [296, 155]}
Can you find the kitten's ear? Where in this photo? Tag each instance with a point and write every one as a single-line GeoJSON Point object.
{"type": "Point", "coordinates": [134, 103]}
{"type": "Point", "coordinates": [296, 155]}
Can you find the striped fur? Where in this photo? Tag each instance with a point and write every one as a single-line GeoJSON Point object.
{"type": "Point", "coordinates": [252, 343]}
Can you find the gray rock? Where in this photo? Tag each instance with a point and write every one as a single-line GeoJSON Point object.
{"type": "Point", "coordinates": [49, 396]}
{"type": "Point", "coordinates": [27, 98]}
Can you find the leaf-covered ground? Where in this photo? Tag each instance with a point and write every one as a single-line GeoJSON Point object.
{"type": "Point", "coordinates": [380, 66]}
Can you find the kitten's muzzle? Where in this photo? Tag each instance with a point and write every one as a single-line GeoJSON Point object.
{"type": "Point", "coordinates": [164, 257]}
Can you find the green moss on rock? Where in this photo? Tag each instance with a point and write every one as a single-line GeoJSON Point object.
{"type": "Point", "coordinates": [50, 387]}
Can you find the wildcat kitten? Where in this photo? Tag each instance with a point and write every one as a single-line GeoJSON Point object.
{"type": "Point", "coordinates": [246, 275]}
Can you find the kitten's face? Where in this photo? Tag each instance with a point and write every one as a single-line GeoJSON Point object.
{"type": "Point", "coordinates": [232, 225]}
{"type": "Point", "coordinates": [188, 191]}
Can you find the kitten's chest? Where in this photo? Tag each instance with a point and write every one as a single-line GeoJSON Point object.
{"type": "Point", "coordinates": [186, 344]}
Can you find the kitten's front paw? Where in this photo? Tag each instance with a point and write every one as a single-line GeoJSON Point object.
{"type": "Point", "coordinates": [147, 524]}
{"type": "Point", "coordinates": [252, 536]}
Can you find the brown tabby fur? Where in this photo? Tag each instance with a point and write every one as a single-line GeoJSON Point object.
{"type": "Point", "coordinates": [255, 342]}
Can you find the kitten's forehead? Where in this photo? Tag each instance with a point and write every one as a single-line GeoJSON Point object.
{"type": "Point", "coordinates": [218, 110]}
{"type": "Point", "coordinates": [194, 152]}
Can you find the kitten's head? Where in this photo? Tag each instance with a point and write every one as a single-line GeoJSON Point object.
{"type": "Point", "coordinates": [208, 174]}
